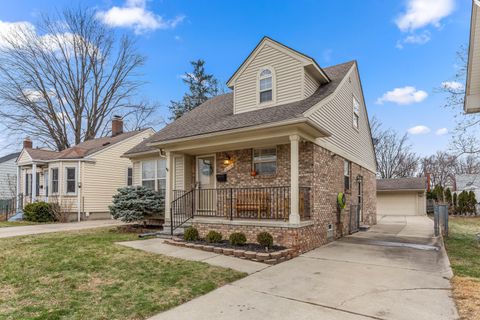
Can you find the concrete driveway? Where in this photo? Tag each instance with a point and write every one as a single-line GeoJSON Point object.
{"type": "Point", "coordinates": [55, 227]}
{"type": "Point", "coordinates": [394, 271]}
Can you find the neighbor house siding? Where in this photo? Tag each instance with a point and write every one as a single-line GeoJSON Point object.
{"type": "Point", "coordinates": [288, 75]}
{"type": "Point", "coordinates": [106, 174]}
{"type": "Point", "coordinates": [336, 116]}
{"type": "Point", "coordinates": [8, 179]}
{"type": "Point", "coordinates": [311, 85]}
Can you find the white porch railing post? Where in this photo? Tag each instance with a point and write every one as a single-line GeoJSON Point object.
{"type": "Point", "coordinates": [294, 216]}
{"type": "Point", "coordinates": [168, 186]}
{"type": "Point", "coordinates": [34, 182]}
{"type": "Point", "coordinates": [19, 176]}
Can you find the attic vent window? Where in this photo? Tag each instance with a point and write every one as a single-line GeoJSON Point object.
{"type": "Point", "coordinates": [266, 84]}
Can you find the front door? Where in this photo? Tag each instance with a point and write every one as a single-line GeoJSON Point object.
{"type": "Point", "coordinates": [206, 197]}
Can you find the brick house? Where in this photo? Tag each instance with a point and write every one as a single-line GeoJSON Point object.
{"type": "Point", "coordinates": [273, 155]}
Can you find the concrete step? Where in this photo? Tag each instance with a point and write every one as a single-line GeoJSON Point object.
{"type": "Point", "coordinates": [364, 227]}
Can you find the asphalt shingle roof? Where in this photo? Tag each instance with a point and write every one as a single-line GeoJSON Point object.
{"type": "Point", "coordinates": [216, 114]}
{"type": "Point", "coordinates": [9, 157]}
{"type": "Point", "coordinates": [401, 184]}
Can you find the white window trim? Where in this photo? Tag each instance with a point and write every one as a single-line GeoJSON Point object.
{"type": "Point", "coordinates": [274, 91]}
{"type": "Point", "coordinates": [264, 161]}
{"type": "Point", "coordinates": [156, 178]}
{"type": "Point", "coordinates": [66, 181]}
{"type": "Point", "coordinates": [50, 191]}
{"type": "Point", "coordinates": [349, 163]}
{"type": "Point", "coordinates": [355, 100]}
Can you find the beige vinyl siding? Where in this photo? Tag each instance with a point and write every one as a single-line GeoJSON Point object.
{"type": "Point", "coordinates": [137, 172]}
{"type": "Point", "coordinates": [311, 85]}
{"type": "Point", "coordinates": [108, 172]}
{"type": "Point", "coordinates": [474, 68]}
{"type": "Point", "coordinates": [8, 179]}
{"type": "Point", "coordinates": [336, 116]}
{"type": "Point", "coordinates": [288, 78]}
{"type": "Point", "coordinates": [24, 157]}
{"type": "Point", "coordinates": [179, 175]}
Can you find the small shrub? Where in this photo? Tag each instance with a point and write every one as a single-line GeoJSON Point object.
{"type": "Point", "coordinates": [213, 237]}
{"type": "Point", "coordinates": [38, 212]}
{"type": "Point", "coordinates": [237, 239]}
{"type": "Point", "coordinates": [133, 204]}
{"type": "Point", "coordinates": [191, 234]}
{"type": "Point", "coordinates": [265, 239]}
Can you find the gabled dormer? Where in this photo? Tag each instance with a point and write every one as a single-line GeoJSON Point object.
{"type": "Point", "coordinates": [274, 74]}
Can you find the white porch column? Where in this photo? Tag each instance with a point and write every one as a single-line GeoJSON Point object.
{"type": "Point", "coordinates": [294, 217]}
{"type": "Point", "coordinates": [168, 186]}
{"type": "Point", "coordinates": [19, 177]}
{"type": "Point", "coordinates": [34, 182]}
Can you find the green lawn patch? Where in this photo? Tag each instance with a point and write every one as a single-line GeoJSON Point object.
{"type": "Point", "coordinates": [85, 275]}
{"type": "Point", "coordinates": [464, 252]}
{"type": "Point", "coordinates": [4, 224]}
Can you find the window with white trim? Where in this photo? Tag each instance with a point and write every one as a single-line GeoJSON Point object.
{"type": "Point", "coordinates": [129, 176]}
{"type": "Point", "coordinates": [346, 174]}
{"type": "Point", "coordinates": [54, 179]}
{"type": "Point", "coordinates": [356, 113]}
{"type": "Point", "coordinates": [70, 180]}
{"type": "Point", "coordinates": [265, 161]}
{"type": "Point", "coordinates": [154, 174]}
{"type": "Point", "coordinates": [265, 86]}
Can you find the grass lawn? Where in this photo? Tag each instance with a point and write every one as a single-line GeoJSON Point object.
{"type": "Point", "coordinates": [4, 224]}
{"type": "Point", "coordinates": [85, 275]}
{"type": "Point", "coordinates": [464, 253]}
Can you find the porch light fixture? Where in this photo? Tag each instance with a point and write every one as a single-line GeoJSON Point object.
{"type": "Point", "coordinates": [228, 161]}
{"type": "Point", "coordinates": [359, 178]}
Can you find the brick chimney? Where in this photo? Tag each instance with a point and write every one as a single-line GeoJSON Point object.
{"type": "Point", "coordinates": [27, 143]}
{"type": "Point", "coordinates": [117, 126]}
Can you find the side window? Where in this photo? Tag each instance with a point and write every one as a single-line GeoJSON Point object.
{"type": "Point", "coordinates": [71, 180]}
{"type": "Point", "coordinates": [54, 180]}
{"type": "Point", "coordinates": [265, 161]}
{"type": "Point", "coordinates": [266, 86]}
{"type": "Point", "coordinates": [356, 113]}
{"type": "Point", "coordinates": [346, 174]}
{"type": "Point", "coordinates": [148, 174]}
{"type": "Point", "coordinates": [129, 176]}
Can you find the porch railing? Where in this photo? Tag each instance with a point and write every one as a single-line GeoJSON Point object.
{"type": "Point", "coordinates": [264, 203]}
{"type": "Point", "coordinates": [8, 207]}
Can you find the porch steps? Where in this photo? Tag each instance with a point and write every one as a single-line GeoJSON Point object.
{"type": "Point", "coordinates": [364, 227]}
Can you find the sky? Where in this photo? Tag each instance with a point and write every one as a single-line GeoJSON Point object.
{"type": "Point", "coordinates": [406, 49]}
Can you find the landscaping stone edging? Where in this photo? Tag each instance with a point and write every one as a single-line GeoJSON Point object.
{"type": "Point", "coordinates": [270, 258]}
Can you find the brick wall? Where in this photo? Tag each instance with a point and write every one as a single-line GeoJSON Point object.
{"type": "Point", "coordinates": [322, 171]}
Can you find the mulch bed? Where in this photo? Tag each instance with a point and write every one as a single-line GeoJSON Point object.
{"type": "Point", "coordinates": [139, 228]}
{"type": "Point", "coordinates": [248, 246]}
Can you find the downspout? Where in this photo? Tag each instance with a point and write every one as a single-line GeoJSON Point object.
{"type": "Point", "coordinates": [79, 188]}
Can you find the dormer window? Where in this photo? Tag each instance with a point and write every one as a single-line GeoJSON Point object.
{"type": "Point", "coordinates": [266, 85]}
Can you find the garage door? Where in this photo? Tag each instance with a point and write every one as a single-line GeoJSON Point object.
{"type": "Point", "coordinates": [397, 203]}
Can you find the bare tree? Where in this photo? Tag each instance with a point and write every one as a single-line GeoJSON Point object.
{"type": "Point", "coordinates": [63, 80]}
{"type": "Point", "coordinates": [394, 156]}
{"type": "Point", "coordinates": [441, 167]}
{"type": "Point", "coordinates": [468, 164]}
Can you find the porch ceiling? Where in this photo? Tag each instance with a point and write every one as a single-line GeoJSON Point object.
{"type": "Point", "coordinates": [229, 141]}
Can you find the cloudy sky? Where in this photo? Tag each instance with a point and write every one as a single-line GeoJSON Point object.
{"type": "Point", "coordinates": [406, 50]}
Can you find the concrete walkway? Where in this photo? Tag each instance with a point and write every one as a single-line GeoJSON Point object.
{"type": "Point", "coordinates": [157, 246]}
{"type": "Point", "coordinates": [55, 227]}
{"type": "Point", "coordinates": [394, 271]}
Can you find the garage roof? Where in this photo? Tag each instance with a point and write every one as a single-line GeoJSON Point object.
{"type": "Point", "coordinates": [401, 184]}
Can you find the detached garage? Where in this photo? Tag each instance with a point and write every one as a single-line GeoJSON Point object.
{"type": "Point", "coordinates": [404, 196]}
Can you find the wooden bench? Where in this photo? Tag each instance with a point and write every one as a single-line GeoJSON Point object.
{"type": "Point", "coordinates": [252, 201]}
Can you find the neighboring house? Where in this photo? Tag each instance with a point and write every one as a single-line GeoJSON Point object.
{"type": "Point", "coordinates": [472, 89]}
{"type": "Point", "coordinates": [273, 155]}
{"type": "Point", "coordinates": [468, 182]}
{"type": "Point", "coordinates": [403, 196]}
{"type": "Point", "coordinates": [83, 178]}
{"type": "Point", "coordinates": [8, 176]}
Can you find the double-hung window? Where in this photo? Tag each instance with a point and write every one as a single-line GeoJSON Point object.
{"type": "Point", "coordinates": [54, 180]}
{"type": "Point", "coordinates": [356, 113]}
{"type": "Point", "coordinates": [71, 180]}
{"type": "Point", "coordinates": [154, 174]}
{"type": "Point", "coordinates": [265, 161]}
{"type": "Point", "coordinates": [266, 85]}
{"type": "Point", "coordinates": [346, 174]}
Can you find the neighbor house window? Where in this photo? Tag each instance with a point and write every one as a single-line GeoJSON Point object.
{"type": "Point", "coordinates": [346, 174]}
{"type": "Point", "coordinates": [154, 174]}
{"type": "Point", "coordinates": [71, 180]}
{"type": "Point", "coordinates": [265, 161]}
{"type": "Point", "coordinates": [130, 176]}
{"type": "Point", "coordinates": [28, 184]}
{"type": "Point", "coordinates": [54, 180]}
{"type": "Point", "coordinates": [356, 112]}
{"type": "Point", "coordinates": [266, 85]}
